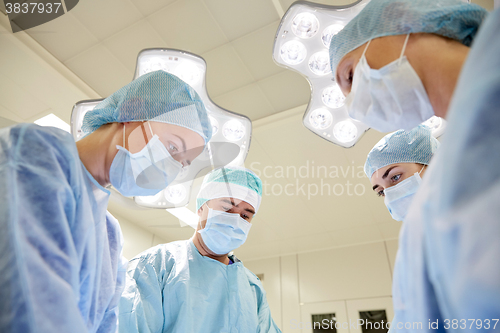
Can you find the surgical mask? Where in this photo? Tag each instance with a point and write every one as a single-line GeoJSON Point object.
{"type": "Point", "coordinates": [390, 98]}
{"type": "Point", "coordinates": [398, 197]}
{"type": "Point", "coordinates": [144, 173]}
{"type": "Point", "coordinates": [224, 231]}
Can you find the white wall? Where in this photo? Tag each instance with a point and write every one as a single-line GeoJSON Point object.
{"type": "Point", "coordinates": [342, 280]}
{"type": "Point", "coordinates": [136, 239]}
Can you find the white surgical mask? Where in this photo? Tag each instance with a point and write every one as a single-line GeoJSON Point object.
{"type": "Point", "coordinates": [224, 231]}
{"type": "Point", "coordinates": [390, 98]}
{"type": "Point", "coordinates": [146, 172]}
{"type": "Point", "coordinates": [399, 197]}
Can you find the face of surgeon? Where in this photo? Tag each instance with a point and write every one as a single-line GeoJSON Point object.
{"type": "Point", "coordinates": [98, 149]}
{"type": "Point", "coordinates": [393, 174]}
{"type": "Point", "coordinates": [436, 60]}
{"type": "Point", "coordinates": [229, 205]}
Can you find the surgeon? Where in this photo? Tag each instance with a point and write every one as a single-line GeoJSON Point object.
{"type": "Point", "coordinates": [197, 285]}
{"type": "Point", "coordinates": [61, 268]}
{"type": "Point", "coordinates": [451, 64]}
{"type": "Point", "coordinates": [395, 167]}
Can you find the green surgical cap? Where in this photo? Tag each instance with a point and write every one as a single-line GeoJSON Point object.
{"type": "Point", "coordinates": [231, 182]}
{"type": "Point", "coordinates": [156, 96]}
{"type": "Point", "coordinates": [449, 18]}
{"type": "Point", "coordinates": [415, 146]}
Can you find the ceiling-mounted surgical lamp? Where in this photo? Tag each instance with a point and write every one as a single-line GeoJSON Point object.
{"type": "Point", "coordinates": [231, 132]}
{"type": "Point", "coordinates": [302, 44]}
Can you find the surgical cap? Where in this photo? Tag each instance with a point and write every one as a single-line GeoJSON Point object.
{"type": "Point", "coordinates": [449, 18]}
{"type": "Point", "coordinates": [231, 182]}
{"type": "Point", "coordinates": [415, 146]}
{"type": "Point", "coordinates": [156, 96]}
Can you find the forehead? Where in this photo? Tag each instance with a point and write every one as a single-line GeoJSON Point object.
{"type": "Point", "coordinates": [237, 202]}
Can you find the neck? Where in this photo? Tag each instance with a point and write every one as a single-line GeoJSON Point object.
{"type": "Point", "coordinates": [439, 63]}
{"type": "Point", "coordinates": [204, 251]}
{"type": "Point", "coordinates": [97, 151]}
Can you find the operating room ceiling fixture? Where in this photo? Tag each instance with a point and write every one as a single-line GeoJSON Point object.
{"type": "Point", "coordinates": [231, 132]}
{"type": "Point", "coordinates": [302, 44]}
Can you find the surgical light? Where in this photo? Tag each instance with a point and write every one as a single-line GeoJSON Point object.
{"type": "Point", "coordinates": [437, 125]}
{"type": "Point", "coordinates": [293, 52]}
{"type": "Point", "coordinates": [231, 131]}
{"type": "Point", "coordinates": [305, 25]}
{"type": "Point", "coordinates": [329, 32]}
{"type": "Point", "coordinates": [319, 63]}
{"type": "Point", "coordinates": [175, 194]}
{"type": "Point", "coordinates": [215, 125]}
{"type": "Point", "coordinates": [321, 119]}
{"type": "Point", "coordinates": [305, 32]}
{"type": "Point", "coordinates": [333, 97]}
{"type": "Point", "coordinates": [345, 131]}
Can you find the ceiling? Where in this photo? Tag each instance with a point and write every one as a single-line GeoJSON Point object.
{"type": "Point", "coordinates": [91, 51]}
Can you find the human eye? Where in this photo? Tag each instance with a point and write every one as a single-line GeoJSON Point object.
{"type": "Point", "coordinates": [172, 147]}
{"type": "Point", "coordinates": [246, 217]}
{"type": "Point", "coordinates": [396, 178]}
{"type": "Point", "coordinates": [380, 193]}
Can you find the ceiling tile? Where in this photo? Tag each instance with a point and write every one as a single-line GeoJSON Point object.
{"type": "Point", "coordinates": [148, 7]}
{"type": "Point", "coordinates": [286, 90]}
{"type": "Point", "coordinates": [127, 44]}
{"type": "Point", "coordinates": [238, 18]}
{"type": "Point", "coordinates": [17, 100]}
{"type": "Point", "coordinates": [187, 25]}
{"type": "Point", "coordinates": [105, 18]}
{"type": "Point", "coordinates": [64, 37]}
{"type": "Point", "coordinates": [225, 71]}
{"type": "Point", "coordinates": [248, 100]}
{"type": "Point", "coordinates": [256, 50]}
{"type": "Point", "coordinates": [100, 70]}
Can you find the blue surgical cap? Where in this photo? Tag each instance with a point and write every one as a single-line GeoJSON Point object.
{"type": "Point", "coordinates": [156, 96]}
{"type": "Point", "coordinates": [231, 182]}
{"type": "Point", "coordinates": [415, 146]}
{"type": "Point", "coordinates": [449, 18]}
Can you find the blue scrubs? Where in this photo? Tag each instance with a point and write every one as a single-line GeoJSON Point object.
{"type": "Point", "coordinates": [173, 288]}
{"type": "Point", "coordinates": [61, 268]}
{"type": "Point", "coordinates": [448, 265]}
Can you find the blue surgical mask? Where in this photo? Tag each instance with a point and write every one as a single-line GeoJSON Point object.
{"type": "Point", "coordinates": [398, 198]}
{"type": "Point", "coordinates": [144, 173]}
{"type": "Point", "coordinates": [224, 231]}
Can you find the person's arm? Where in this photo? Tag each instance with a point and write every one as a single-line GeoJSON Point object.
{"type": "Point", "coordinates": [266, 322]}
{"type": "Point", "coordinates": [109, 323]}
{"type": "Point", "coordinates": [39, 262]}
{"type": "Point", "coordinates": [141, 304]}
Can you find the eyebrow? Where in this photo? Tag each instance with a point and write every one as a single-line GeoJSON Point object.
{"type": "Point", "coordinates": [183, 143]}
{"type": "Point", "coordinates": [232, 203]}
{"type": "Point", "coordinates": [384, 176]}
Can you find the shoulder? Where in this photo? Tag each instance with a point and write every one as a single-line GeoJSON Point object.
{"type": "Point", "coordinates": [30, 143]}
{"type": "Point", "coordinates": [163, 254]}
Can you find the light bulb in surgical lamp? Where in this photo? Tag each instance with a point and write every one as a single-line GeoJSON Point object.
{"type": "Point", "coordinates": [175, 194]}
{"type": "Point", "coordinates": [333, 97]}
{"type": "Point", "coordinates": [329, 32]}
{"type": "Point", "coordinates": [233, 130]}
{"type": "Point", "coordinates": [189, 73]}
{"type": "Point", "coordinates": [321, 119]}
{"type": "Point", "coordinates": [345, 131]}
{"type": "Point", "coordinates": [433, 123]}
{"type": "Point", "coordinates": [305, 25]}
{"type": "Point", "coordinates": [319, 63]}
{"type": "Point", "coordinates": [293, 52]}
{"type": "Point", "coordinates": [215, 125]}
{"type": "Point", "coordinates": [151, 199]}
{"type": "Point", "coordinates": [154, 64]}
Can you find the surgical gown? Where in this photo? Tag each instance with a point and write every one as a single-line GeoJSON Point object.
{"type": "Point", "coordinates": [60, 251]}
{"type": "Point", "coordinates": [173, 288]}
{"type": "Point", "coordinates": [448, 267]}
